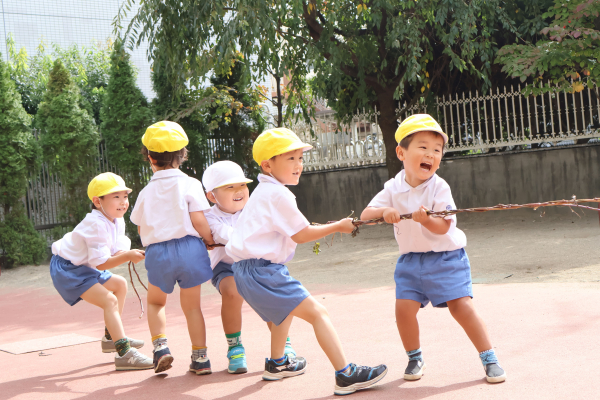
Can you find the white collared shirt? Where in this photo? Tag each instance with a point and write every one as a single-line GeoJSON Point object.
{"type": "Point", "coordinates": [221, 225]}
{"type": "Point", "coordinates": [162, 209]}
{"type": "Point", "coordinates": [412, 237]}
{"type": "Point", "coordinates": [93, 241]}
{"type": "Point", "coordinates": [266, 224]}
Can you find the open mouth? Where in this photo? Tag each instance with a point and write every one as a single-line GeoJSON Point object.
{"type": "Point", "coordinates": [238, 198]}
{"type": "Point", "coordinates": [426, 166]}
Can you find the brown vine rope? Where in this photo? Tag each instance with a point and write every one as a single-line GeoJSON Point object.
{"type": "Point", "coordinates": [131, 264]}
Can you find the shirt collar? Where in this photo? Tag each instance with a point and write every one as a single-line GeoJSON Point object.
{"type": "Point", "coordinates": [268, 179]}
{"type": "Point", "coordinates": [220, 213]}
{"type": "Point", "coordinates": [405, 187]}
{"type": "Point", "coordinates": [168, 173]}
{"type": "Point", "coordinates": [99, 214]}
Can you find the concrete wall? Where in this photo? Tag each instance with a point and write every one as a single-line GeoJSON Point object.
{"type": "Point", "coordinates": [476, 181]}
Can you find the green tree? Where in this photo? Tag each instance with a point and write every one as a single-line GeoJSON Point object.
{"type": "Point", "coordinates": [364, 52]}
{"type": "Point", "coordinates": [125, 115]}
{"type": "Point", "coordinates": [567, 57]}
{"type": "Point", "coordinates": [19, 154]}
{"type": "Point", "coordinates": [69, 141]}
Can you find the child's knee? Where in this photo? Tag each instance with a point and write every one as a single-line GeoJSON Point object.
{"type": "Point", "coordinates": [230, 294]}
{"type": "Point", "coordinates": [111, 302]}
{"type": "Point", "coordinates": [320, 312]}
{"type": "Point", "coordinates": [462, 307]}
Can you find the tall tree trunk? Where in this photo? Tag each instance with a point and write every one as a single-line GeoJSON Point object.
{"type": "Point", "coordinates": [279, 102]}
{"type": "Point", "coordinates": [388, 122]}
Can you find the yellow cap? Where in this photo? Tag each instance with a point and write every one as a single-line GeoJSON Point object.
{"type": "Point", "coordinates": [419, 123]}
{"type": "Point", "coordinates": [274, 142]}
{"type": "Point", "coordinates": [165, 136]}
{"type": "Point", "coordinates": [106, 183]}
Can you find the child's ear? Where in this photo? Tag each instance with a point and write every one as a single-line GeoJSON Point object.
{"type": "Point", "coordinates": [266, 166]}
{"type": "Point", "coordinates": [211, 197]}
{"type": "Point", "coordinates": [96, 201]}
{"type": "Point", "coordinates": [400, 153]}
{"type": "Point", "coordinates": [152, 160]}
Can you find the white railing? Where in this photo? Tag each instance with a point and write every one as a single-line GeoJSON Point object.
{"type": "Point", "coordinates": [502, 120]}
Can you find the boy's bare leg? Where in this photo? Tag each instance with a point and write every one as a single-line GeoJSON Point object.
{"type": "Point", "coordinates": [118, 285]}
{"type": "Point", "coordinates": [231, 306]}
{"type": "Point", "coordinates": [316, 314]}
{"type": "Point", "coordinates": [156, 301]}
{"type": "Point", "coordinates": [463, 311]}
{"type": "Point", "coordinates": [408, 326]}
{"type": "Point", "coordinates": [190, 304]}
{"type": "Point", "coordinates": [99, 296]}
{"type": "Point", "coordinates": [279, 335]}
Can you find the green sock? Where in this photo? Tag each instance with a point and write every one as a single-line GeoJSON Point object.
{"type": "Point", "coordinates": [234, 339]}
{"type": "Point", "coordinates": [122, 346]}
{"type": "Point", "coordinates": [288, 342]}
{"type": "Point", "coordinates": [106, 334]}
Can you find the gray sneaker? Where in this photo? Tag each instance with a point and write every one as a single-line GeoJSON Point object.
{"type": "Point", "coordinates": [414, 370]}
{"type": "Point", "coordinates": [108, 346]}
{"type": "Point", "coordinates": [494, 373]}
{"type": "Point", "coordinates": [133, 359]}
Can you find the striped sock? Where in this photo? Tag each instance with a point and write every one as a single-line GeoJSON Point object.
{"type": "Point", "coordinates": [488, 357]}
{"type": "Point", "coordinates": [288, 342]}
{"type": "Point", "coordinates": [415, 355]}
{"type": "Point", "coordinates": [122, 346]}
{"type": "Point", "coordinates": [106, 334]}
{"type": "Point", "coordinates": [199, 352]}
{"type": "Point", "coordinates": [234, 339]}
{"type": "Point", "coordinates": [158, 340]}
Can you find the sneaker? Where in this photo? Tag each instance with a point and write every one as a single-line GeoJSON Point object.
{"type": "Point", "coordinates": [131, 360]}
{"type": "Point", "coordinates": [237, 360]}
{"type": "Point", "coordinates": [292, 366]}
{"type": "Point", "coordinates": [360, 378]}
{"type": "Point", "coordinates": [494, 373]}
{"type": "Point", "coordinates": [108, 346]}
{"type": "Point", "coordinates": [162, 359]}
{"type": "Point", "coordinates": [414, 371]}
{"type": "Point", "coordinates": [201, 366]}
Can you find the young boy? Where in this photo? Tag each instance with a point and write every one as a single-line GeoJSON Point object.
{"type": "Point", "coordinates": [169, 213]}
{"type": "Point", "coordinates": [264, 239]}
{"type": "Point", "coordinates": [433, 265]}
{"type": "Point", "coordinates": [226, 187]}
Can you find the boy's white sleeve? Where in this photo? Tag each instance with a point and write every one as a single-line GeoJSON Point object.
{"type": "Point", "coordinates": [136, 213]}
{"type": "Point", "coordinates": [443, 200]}
{"type": "Point", "coordinates": [123, 242]}
{"type": "Point", "coordinates": [383, 198]}
{"type": "Point", "coordinates": [221, 232]}
{"type": "Point", "coordinates": [196, 198]}
{"type": "Point", "coordinates": [286, 217]}
{"type": "Point", "coordinates": [97, 245]}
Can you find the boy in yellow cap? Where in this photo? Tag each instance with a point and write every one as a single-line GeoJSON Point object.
{"type": "Point", "coordinates": [264, 239]}
{"type": "Point", "coordinates": [433, 265]}
{"type": "Point", "coordinates": [169, 213]}
{"type": "Point", "coordinates": [81, 261]}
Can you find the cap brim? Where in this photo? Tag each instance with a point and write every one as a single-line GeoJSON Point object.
{"type": "Point", "coordinates": [115, 189]}
{"type": "Point", "coordinates": [232, 181]}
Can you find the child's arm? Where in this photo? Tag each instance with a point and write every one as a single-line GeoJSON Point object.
{"type": "Point", "coordinates": [201, 226]}
{"type": "Point", "coordinates": [389, 214]}
{"type": "Point", "coordinates": [439, 226]}
{"type": "Point", "coordinates": [311, 232]}
{"type": "Point", "coordinates": [122, 257]}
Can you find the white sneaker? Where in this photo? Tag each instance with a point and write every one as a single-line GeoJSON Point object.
{"type": "Point", "coordinates": [132, 360]}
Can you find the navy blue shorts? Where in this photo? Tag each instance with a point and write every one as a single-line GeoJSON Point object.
{"type": "Point", "coordinates": [268, 288]}
{"type": "Point", "coordinates": [71, 281]}
{"type": "Point", "coordinates": [184, 261]}
{"type": "Point", "coordinates": [222, 270]}
{"type": "Point", "coordinates": [435, 277]}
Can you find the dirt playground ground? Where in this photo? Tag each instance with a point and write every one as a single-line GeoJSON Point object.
{"type": "Point", "coordinates": [536, 284]}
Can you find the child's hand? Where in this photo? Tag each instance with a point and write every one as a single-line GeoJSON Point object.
{"type": "Point", "coordinates": [345, 225]}
{"type": "Point", "coordinates": [209, 246]}
{"type": "Point", "coordinates": [136, 255]}
{"type": "Point", "coordinates": [421, 215]}
{"type": "Point", "coordinates": [391, 215]}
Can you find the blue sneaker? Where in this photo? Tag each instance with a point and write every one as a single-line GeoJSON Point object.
{"type": "Point", "coordinates": [237, 360]}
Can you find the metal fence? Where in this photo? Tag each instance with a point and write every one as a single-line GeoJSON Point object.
{"type": "Point", "coordinates": [501, 120]}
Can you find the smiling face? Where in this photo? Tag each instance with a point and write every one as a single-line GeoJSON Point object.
{"type": "Point", "coordinates": [286, 167]}
{"type": "Point", "coordinates": [113, 205]}
{"type": "Point", "coordinates": [230, 198]}
{"type": "Point", "coordinates": [422, 157]}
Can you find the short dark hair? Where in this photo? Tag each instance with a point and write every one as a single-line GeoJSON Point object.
{"type": "Point", "coordinates": [94, 206]}
{"type": "Point", "coordinates": [166, 158]}
{"type": "Point", "coordinates": [404, 143]}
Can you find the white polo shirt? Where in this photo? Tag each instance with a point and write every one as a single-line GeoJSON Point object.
{"type": "Point", "coordinates": [266, 224]}
{"type": "Point", "coordinates": [93, 241]}
{"type": "Point", "coordinates": [162, 209]}
{"type": "Point", "coordinates": [412, 237]}
{"type": "Point", "coordinates": [221, 225]}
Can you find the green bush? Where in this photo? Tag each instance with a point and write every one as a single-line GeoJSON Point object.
{"type": "Point", "coordinates": [19, 154]}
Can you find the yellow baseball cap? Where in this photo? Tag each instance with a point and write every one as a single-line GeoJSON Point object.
{"type": "Point", "coordinates": [274, 142]}
{"type": "Point", "coordinates": [419, 123]}
{"type": "Point", "coordinates": [165, 136]}
{"type": "Point", "coordinates": [106, 183]}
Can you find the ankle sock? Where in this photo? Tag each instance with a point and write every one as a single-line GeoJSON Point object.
{"type": "Point", "coordinates": [288, 342]}
{"type": "Point", "coordinates": [106, 334]}
{"type": "Point", "coordinates": [122, 346]}
{"type": "Point", "coordinates": [488, 357]}
{"type": "Point", "coordinates": [279, 361]}
{"type": "Point", "coordinates": [234, 339]}
{"type": "Point", "coordinates": [343, 370]}
{"type": "Point", "coordinates": [415, 355]}
{"type": "Point", "coordinates": [199, 352]}
{"type": "Point", "coordinates": [158, 340]}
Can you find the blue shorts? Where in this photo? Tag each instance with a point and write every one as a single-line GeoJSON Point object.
{"type": "Point", "coordinates": [184, 261]}
{"type": "Point", "coordinates": [71, 281]}
{"type": "Point", "coordinates": [268, 288]}
{"type": "Point", "coordinates": [222, 270]}
{"type": "Point", "coordinates": [435, 277]}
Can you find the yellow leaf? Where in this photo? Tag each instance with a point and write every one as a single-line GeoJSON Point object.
{"type": "Point", "coordinates": [422, 89]}
{"type": "Point", "coordinates": [577, 87]}
{"type": "Point", "coordinates": [428, 86]}
{"type": "Point", "coordinates": [427, 74]}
